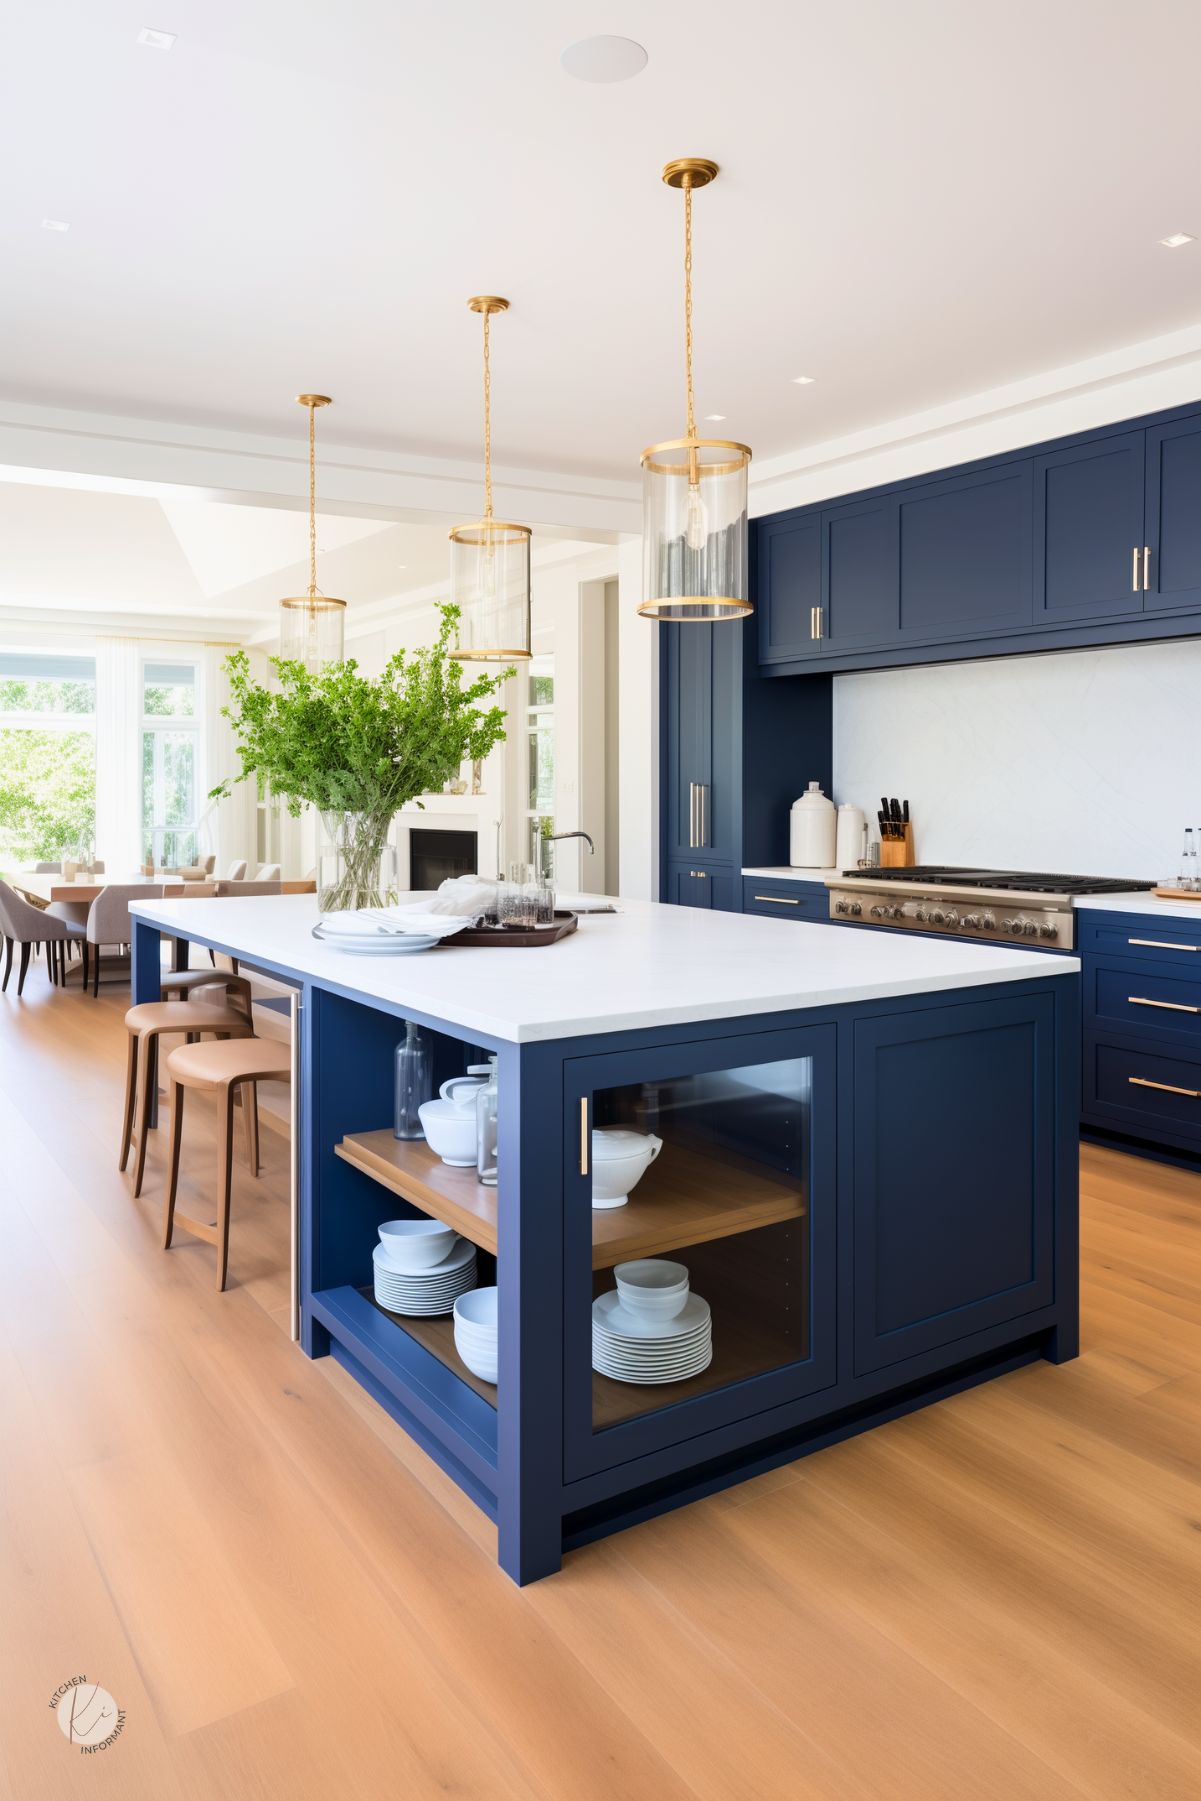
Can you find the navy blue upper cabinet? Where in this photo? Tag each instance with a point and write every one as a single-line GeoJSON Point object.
{"type": "Point", "coordinates": [790, 574]}
{"type": "Point", "coordinates": [1088, 525]}
{"type": "Point", "coordinates": [965, 554]}
{"type": "Point", "coordinates": [1172, 577]}
{"type": "Point", "coordinates": [859, 575]}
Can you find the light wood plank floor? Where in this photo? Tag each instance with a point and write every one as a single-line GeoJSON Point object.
{"type": "Point", "coordinates": [993, 1600]}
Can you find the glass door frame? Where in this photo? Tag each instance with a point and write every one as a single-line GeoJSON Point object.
{"type": "Point", "coordinates": [588, 1452]}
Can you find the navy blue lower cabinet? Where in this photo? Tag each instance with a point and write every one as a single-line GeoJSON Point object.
{"type": "Point", "coordinates": [784, 899]}
{"type": "Point", "coordinates": [954, 1205]}
{"type": "Point", "coordinates": [714, 886]}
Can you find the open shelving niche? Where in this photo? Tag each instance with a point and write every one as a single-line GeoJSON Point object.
{"type": "Point", "coordinates": [674, 1206]}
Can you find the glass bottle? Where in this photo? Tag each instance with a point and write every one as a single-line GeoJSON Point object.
{"type": "Point", "coordinates": [414, 1081]}
{"type": "Point", "coordinates": [486, 1115]}
{"type": "Point", "coordinates": [1188, 861]}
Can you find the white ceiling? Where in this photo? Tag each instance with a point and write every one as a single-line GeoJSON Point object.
{"type": "Point", "coordinates": [920, 199]}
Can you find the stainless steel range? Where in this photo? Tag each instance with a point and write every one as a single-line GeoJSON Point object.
{"type": "Point", "coordinates": [995, 904]}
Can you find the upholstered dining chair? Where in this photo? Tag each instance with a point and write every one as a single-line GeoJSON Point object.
{"type": "Point", "coordinates": [25, 925]}
{"type": "Point", "coordinates": [109, 922]}
{"type": "Point", "coordinates": [227, 890]}
{"type": "Point", "coordinates": [209, 863]}
{"type": "Point", "coordinates": [47, 869]}
{"type": "Point", "coordinates": [236, 870]}
{"type": "Point", "coordinates": [267, 872]}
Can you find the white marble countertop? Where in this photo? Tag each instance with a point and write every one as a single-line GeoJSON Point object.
{"type": "Point", "coordinates": [646, 965]}
{"type": "Point", "coordinates": [1141, 901]}
{"type": "Point", "coordinates": [786, 873]}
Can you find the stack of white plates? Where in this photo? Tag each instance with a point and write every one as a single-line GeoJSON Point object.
{"type": "Point", "coordinates": [632, 1348]}
{"type": "Point", "coordinates": [425, 1291]}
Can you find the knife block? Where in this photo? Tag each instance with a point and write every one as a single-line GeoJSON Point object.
{"type": "Point", "coordinates": [898, 853]}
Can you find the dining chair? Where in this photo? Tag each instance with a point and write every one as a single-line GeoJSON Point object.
{"type": "Point", "coordinates": [109, 922]}
{"type": "Point", "coordinates": [220, 1068]}
{"type": "Point", "coordinates": [227, 890]}
{"type": "Point", "coordinates": [209, 863]}
{"type": "Point", "coordinates": [236, 870]}
{"type": "Point", "coordinates": [47, 869]}
{"type": "Point", "coordinates": [25, 925]}
{"type": "Point", "coordinates": [267, 872]}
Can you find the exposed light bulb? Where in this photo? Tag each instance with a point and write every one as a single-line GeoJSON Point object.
{"type": "Point", "coordinates": [696, 530]}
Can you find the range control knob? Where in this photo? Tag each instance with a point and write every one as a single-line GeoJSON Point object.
{"type": "Point", "coordinates": [1030, 927]}
{"type": "Point", "coordinates": [879, 912]}
{"type": "Point", "coordinates": [1012, 926]}
{"type": "Point", "coordinates": [840, 906]}
{"type": "Point", "coordinates": [937, 917]}
{"type": "Point", "coordinates": [950, 917]}
{"type": "Point", "coordinates": [989, 922]}
{"type": "Point", "coordinates": [972, 921]}
{"type": "Point", "coordinates": [855, 909]}
{"type": "Point", "coordinates": [920, 914]}
{"type": "Point", "coordinates": [1048, 930]}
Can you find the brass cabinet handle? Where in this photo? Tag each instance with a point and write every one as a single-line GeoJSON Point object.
{"type": "Point", "coordinates": [1140, 1000]}
{"type": "Point", "coordinates": [821, 622]}
{"type": "Point", "coordinates": [702, 875]}
{"type": "Point", "coordinates": [1193, 1094]}
{"type": "Point", "coordinates": [778, 900]}
{"type": "Point", "coordinates": [813, 622]}
{"type": "Point", "coordinates": [702, 837]}
{"type": "Point", "coordinates": [1146, 567]}
{"type": "Point", "coordinates": [1134, 570]}
{"type": "Point", "coordinates": [1161, 944]}
{"type": "Point", "coordinates": [584, 1135]}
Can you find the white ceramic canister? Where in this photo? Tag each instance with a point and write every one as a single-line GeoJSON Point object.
{"type": "Point", "coordinates": [851, 841]}
{"type": "Point", "coordinates": [811, 833]}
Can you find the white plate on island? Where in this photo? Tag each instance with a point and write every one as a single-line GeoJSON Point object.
{"type": "Point", "coordinates": [381, 944]}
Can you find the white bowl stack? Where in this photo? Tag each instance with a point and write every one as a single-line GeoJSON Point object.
{"type": "Point", "coordinates": [421, 1266]}
{"type": "Point", "coordinates": [651, 1328]}
{"type": "Point", "coordinates": [475, 1332]}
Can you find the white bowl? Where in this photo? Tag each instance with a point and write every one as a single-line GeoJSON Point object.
{"type": "Point", "coordinates": [619, 1159]}
{"type": "Point", "coordinates": [481, 1363]}
{"type": "Point", "coordinates": [652, 1288]}
{"type": "Point", "coordinates": [477, 1310]}
{"type": "Point", "coordinates": [412, 1244]}
{"type": "Point", "coordinates": [450, 1131]}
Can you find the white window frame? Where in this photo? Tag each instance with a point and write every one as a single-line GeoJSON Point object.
{"type": "Point", "coordinates": [160, 723]}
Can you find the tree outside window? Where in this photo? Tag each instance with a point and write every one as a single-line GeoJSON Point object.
{"type": "Point", "coordinates": [47, 756]}
{"type": "Point", "coordinates": [170, 763]}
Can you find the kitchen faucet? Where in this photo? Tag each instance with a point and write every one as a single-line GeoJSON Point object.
{"type": "Point", "coordinates": [557, 837]}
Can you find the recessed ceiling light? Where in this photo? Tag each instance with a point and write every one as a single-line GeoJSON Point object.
{"type": "Point", "coordinates": [714, 418]}
{"type": "Point", "coordinates": [156, 40]}
{"type": "Point", "coordinates": [1177, 239]}
{"type": "Point", "coordinates": [604, 59]}
{"type": "Point", "coordinates": [55, 225]}
{"type": "Point", "coordinates": [804, 381]}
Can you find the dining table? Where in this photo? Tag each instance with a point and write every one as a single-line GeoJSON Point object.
{"type": "Point", "coordinates": [42, 888]}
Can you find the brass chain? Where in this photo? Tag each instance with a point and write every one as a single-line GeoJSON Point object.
{"type": "Point", "coordinates": [487, 418]}
{"type": "Point", "coordinates": [312, 501]}
{"type": "Point", "coordinates": [688, 301]}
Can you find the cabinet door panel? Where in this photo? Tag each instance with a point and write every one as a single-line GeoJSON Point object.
{"type": "Point", "coordinates": [789, 585]}
{"type": "Point", "coordinates": [1174, 515]}
{"type": "Point", "coordinates": [965, 555]}
{"type": "Point", "coordinates": [954, 1231]}
{"type": "Point", "coordinates": [688, 657]}
{"type": "Point", "coordinates": [713, 886]}
{"type": "Point", "coordinates": [1088, 529]}
{"type": "Point", "coordinates": [860, 593]}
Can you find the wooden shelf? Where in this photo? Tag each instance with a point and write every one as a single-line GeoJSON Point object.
{"type": "Point", "coordinates": [684, 1198]}
{"type": "Point", "coordinates": [438, 1336]}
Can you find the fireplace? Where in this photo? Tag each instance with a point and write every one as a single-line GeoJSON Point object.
{"type": "Point", "coordinates": [434, 857]}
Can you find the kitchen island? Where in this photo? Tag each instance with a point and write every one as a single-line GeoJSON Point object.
{"type": "Point", "coordinates": [868, 1167]}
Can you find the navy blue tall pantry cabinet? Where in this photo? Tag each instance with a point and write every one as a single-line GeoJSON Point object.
{"type": "Point", "coordinates": [1094, 539]}
{"type": "Point", "coordinates": [735, 752]}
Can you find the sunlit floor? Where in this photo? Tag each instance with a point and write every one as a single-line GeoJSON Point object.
{"type": "Point", "coordinates": [993, 1599]}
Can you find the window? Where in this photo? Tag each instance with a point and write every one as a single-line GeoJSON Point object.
{"type": "Point", "coordinates": [170, 764]}
{"type": "Point", "coordinates": [47, 756]}
{"type": "Point", "coordinates": [540, 760]}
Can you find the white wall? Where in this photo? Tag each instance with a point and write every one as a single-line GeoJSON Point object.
{"type": "Point", "coordinates": [1087, 762]}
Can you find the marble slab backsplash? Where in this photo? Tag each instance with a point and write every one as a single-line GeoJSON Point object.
{"type": "Point", "coordinates": [1084, 762]}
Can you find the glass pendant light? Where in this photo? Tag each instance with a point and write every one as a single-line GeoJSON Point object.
{"type": "Point", "coordinates": [489, 558]}
{"type": "Point", "coordinates": [694, 529]}
{"type": "Point", "coordinates": [311, 625]}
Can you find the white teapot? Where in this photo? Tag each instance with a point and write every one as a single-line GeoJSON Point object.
{"type": "Point", "coordinates": [619, 1160]}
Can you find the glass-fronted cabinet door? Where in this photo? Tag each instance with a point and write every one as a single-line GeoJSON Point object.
{"type": "Point", "coordinates": [699, 1239]}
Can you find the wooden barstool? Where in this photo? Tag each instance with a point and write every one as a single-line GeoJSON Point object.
{"type": "Point", "coordinates": [147, 1023]}
{"type": "Point", "coordinates": [221, 1069]}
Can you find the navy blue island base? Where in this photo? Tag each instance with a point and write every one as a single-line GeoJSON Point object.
{"type": "Point", "coordinates": [878, 1197]}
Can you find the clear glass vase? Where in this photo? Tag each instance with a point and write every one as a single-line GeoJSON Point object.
{"type": "Point", "coordinates": [356, 864]}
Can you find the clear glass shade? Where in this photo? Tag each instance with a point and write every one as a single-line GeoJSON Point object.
{"type": "Point", "coordinates": [694, 530]}
{"type": "Point", "coordinates": [311, 630]}
{"type": "Point", "coordinates": [490, 584]}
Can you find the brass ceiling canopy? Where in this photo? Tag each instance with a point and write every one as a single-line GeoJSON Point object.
{"type": "Point", "coordinates": [490, 558]}
{"type": "Point", "coordinates": [694, 490]}
{"type": "Point", "coordinates": [311, 626]}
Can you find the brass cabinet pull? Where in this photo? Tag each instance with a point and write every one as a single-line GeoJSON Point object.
{"type": "Point", "coordinates": [693, 791]}
{"type": "Point", "coordinates": [778, 900]}
{"type": "Point", "coordinates": [1162, 944]}
{"type": "Point", "coordinates": [821, 621]}
{"type": "Point", "coordinates": [1134, 570]}
{"type": "Point", "coordinates": [813, 622]}
{"type": "Point", "coordinates": [1140, 1000]}
{"type": "Point", "coordinates": [702, 837]}
{"type": "Point", "coordinates": [1193, 1094]}
{"type": "Point", "coordinates": [1146, 567]}
{"type": "Point", "coordinates": [702, 875]}
{"type": "Point", "coordinates": [584, 1135]}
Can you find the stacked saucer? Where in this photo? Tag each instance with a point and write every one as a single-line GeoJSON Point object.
{"type": "Point", "coordinates": [651, 1328]}
{"type": "Point", "coordinates": [431, 1290]}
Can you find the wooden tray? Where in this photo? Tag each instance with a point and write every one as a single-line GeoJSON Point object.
{"type": "Point", "coordinates": [518, 937]}
{"type": "Point", "coordinates": [1177, 894]}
